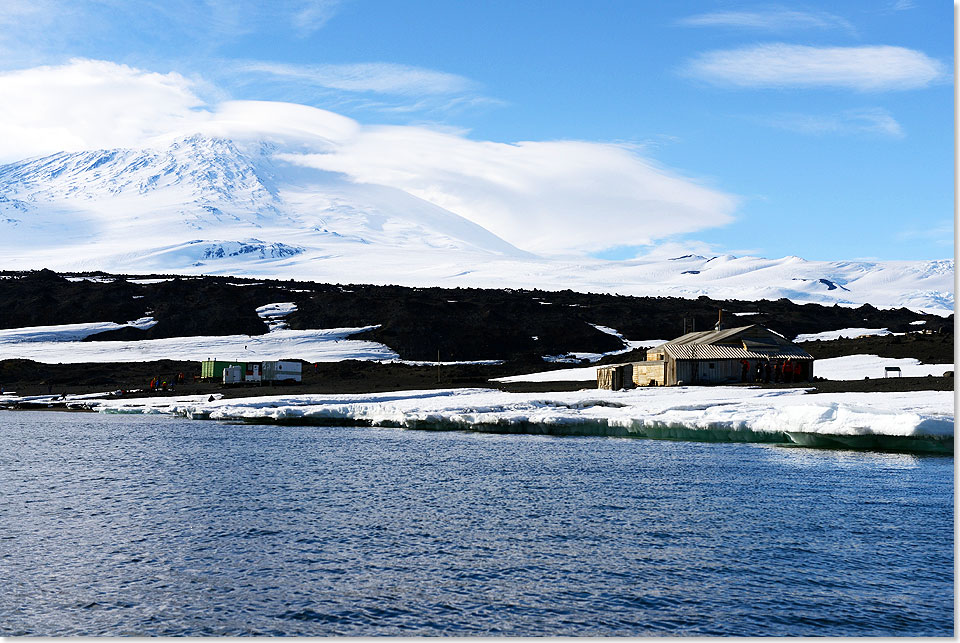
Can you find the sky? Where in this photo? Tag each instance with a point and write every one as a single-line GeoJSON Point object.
{"type": "Point", "coordinates": [616, 128]}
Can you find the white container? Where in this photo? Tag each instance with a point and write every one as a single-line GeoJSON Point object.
{"type": "Point", "coordinates": [233, 374]}
{"type": "Point", "coordinates": [281, 371]}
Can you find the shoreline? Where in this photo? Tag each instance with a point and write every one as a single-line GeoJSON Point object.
{"type": "Point", "coordinates": [906, 421]}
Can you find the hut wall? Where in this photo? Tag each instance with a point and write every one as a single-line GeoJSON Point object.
{"type": "Point", "coordinates": [683, 371]}
{"type": "Point", "coordinates": [650, 371]}
{"type": "Point", "coordinates": [609, 378]}
{"type": "Point", "coordinates": [705, 371]}
{"type": "Point", "coordinates": [615, 377]}
{"type": "Point", "coordinates": [720, 371]}
{"type": "Point", "coordinates": [605, 379]}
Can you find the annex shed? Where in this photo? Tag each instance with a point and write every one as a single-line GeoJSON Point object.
{"type": "Point", "coordinates": [614, 377]}
{"type": "Point", "coordinates": [743, 354]}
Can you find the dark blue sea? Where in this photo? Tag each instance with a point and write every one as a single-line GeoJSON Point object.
{"type": "Point", "coordinates": [140, 525]}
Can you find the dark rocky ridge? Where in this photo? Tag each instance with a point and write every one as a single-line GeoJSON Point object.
{"type": "Point", "coordinates": [929, 349]}
{"type": "Point", "coordinates": [459, 323]}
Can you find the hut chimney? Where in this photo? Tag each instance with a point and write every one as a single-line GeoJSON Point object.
{"type": "Point", "coordinates": [719, 320]}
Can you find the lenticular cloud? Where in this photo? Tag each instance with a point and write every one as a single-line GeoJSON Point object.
{"type": "Point", "coordinates": [550, 197]}
{"type": "Point", "coordinates": [867, 68]}
{"type": "Point", "coordinates": [546, 197]}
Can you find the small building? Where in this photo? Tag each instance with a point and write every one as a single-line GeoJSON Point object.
{"type": "Point", "coordinates": [282, 371]}
{"type": "Point", "coordinates": [212, 369]}
{"type": "Point", "coordinates": [614, 377]}
{"type": "Point", "coordinates": [252, 372]}
{"type": "Point", "coordinates": [743, 354]}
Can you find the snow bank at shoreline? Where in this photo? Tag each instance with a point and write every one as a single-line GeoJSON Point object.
{"type": "Point", "coordinates": [919, 421]}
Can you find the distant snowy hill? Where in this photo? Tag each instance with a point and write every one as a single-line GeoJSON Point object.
{"type": "Point", "coordinates": [205, 205]}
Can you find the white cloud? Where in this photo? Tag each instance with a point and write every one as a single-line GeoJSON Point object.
{"type": "Point", "coordinates": [939, 233]}
{"type": "Point", "coordinates": [313, 15]}
{"type": "Point", "coordinates": [289, 125]}
{"type": "Point", "coordinates": [88, 104]}
{"type": "Point", "coordinates": [33, 31]}
{"type": "Point", "coordinates": [868, 68]}
{"type": "Point", "coordinates": [873, 120]}
{"type": "Point", "coordinates": [383, 78]}
{"type": "Point", "coordinates": [547, 197]}
{"type": "Point", "coordinates": [387, 88]}
{"type": "Point", "coordinates": [902, 5]}
{"type": "Point", "coordinates": [779, 19]}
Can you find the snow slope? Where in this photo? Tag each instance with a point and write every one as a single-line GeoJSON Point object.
{"type": "Point", "coordinates": [42, 344]}
{"type": "Point", "coordinates": [64, 332]}
{"type": "Point", "coordinates": [843, 333]}
{"type": "Point", "coordinates": [201, 205]}
{"type": "Point", "coordinates": [858, 367]}
{"type": "Point", "coordinates": [915, 421]}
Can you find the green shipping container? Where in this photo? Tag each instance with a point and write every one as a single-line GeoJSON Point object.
{"type": "Point", "coordinates": [213, 369]}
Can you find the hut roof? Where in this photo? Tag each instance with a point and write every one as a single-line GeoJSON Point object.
{"type": "Point", "coordinates": [710, 351]}
{"type": "Point", "coordinates": [743, 342]}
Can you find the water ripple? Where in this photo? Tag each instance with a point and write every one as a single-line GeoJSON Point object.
{"type": "Point", "coordinates": [131, 525]}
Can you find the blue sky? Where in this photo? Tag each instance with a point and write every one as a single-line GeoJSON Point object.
{"type": "Point", "coordinates": [823, 130]}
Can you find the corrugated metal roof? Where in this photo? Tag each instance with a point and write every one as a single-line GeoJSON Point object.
{"type": "Point", "coordinates": [723, 344]}
{"type": "Point", "coordinates": [708, 336]}
{"type": "Point", "coordinates": [714, 351]}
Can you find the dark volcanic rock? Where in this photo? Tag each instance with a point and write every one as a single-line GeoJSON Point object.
{"type": "Point", "coordinates": [929, 349]}
{"type": "Point", "coordinates": [419, 323]}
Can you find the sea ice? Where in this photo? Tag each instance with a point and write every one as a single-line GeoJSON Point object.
{"type": "Point", "coordinates": [913, 421]}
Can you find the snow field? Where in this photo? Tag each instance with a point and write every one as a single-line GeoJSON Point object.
{"type": "Point", "coordinates": [559, 375]}
{"type": "Point", "coordinates": [331, 345]}
{"type": "Point", "coordinates": [849, 367]}
{"type": "Point", "coordinates": [858, 367]}
{"type": "Point", "coordinates": [273, 314]}
{"type": "Point", "coordinates": [629, 345]}
{"type": "Point", "coordinates": [843, 333]}
{"type": "Point", "coordinates": [64, 332]}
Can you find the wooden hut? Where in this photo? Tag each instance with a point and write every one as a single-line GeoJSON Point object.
{"type": "Point", "coordinates": [744, 354]}
{"type": "Point", "coordinates": [614, 377]}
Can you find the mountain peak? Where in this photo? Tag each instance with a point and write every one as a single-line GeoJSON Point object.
{"type": "Point", "coordinates": [208, 205]}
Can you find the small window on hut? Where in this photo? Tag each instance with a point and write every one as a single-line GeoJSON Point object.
{"type": "Point", "coordinates": [712, 365]}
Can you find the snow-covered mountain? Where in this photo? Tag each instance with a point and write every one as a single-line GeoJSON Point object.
{"type": "Point", "coordinates": [203, 205]}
